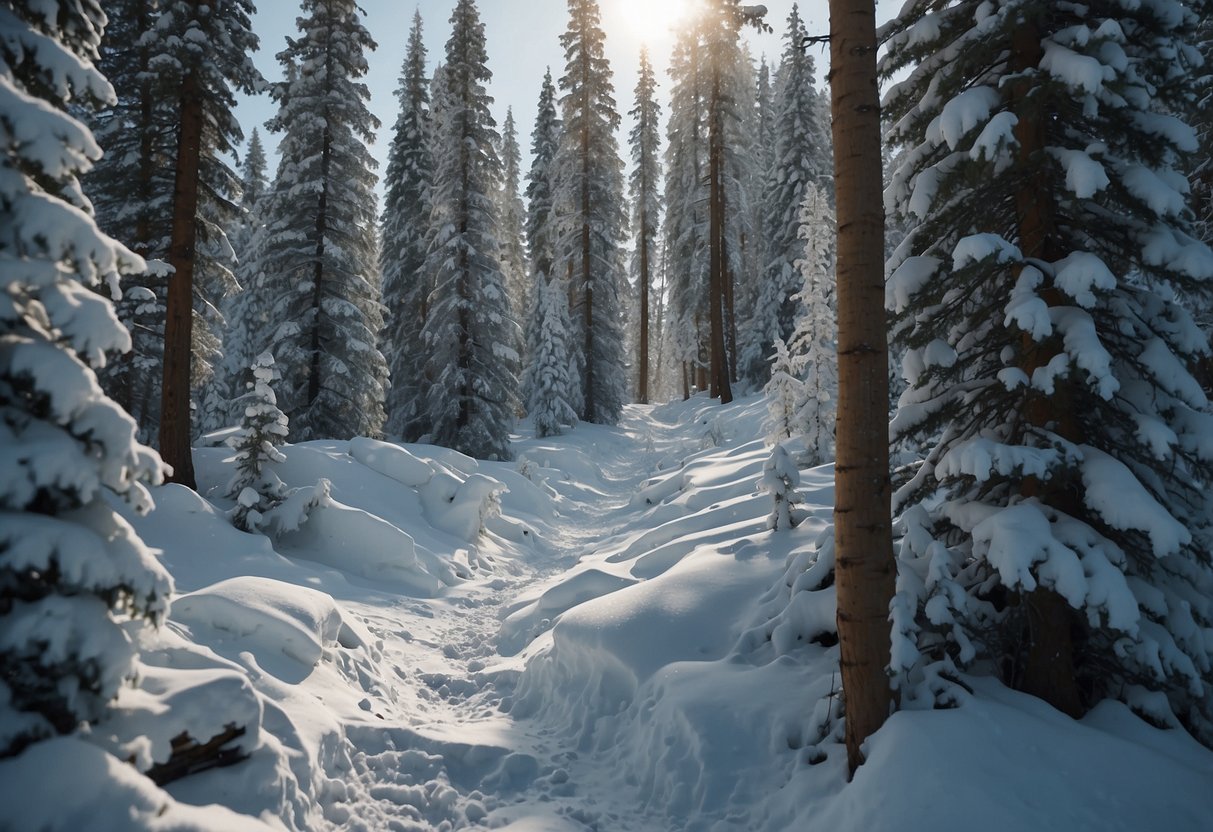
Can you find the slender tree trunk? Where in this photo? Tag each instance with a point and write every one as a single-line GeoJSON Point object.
{"type": "Point", "coordinates": [642, 359]}
{"type": "Point", "coordinates": [717, 359]}
{"type": "Point", "coordinates": [179, 316]}
{"type": "Point", "coordinates": [863, 536]}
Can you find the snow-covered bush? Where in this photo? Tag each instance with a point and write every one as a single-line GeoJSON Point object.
{"type": "Point", "coordinates": [255, 486]}
{"type": "Point", "coordinates": [72, 571]}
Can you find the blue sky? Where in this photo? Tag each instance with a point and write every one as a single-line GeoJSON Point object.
{"type": "Point", "coordinates": [523, 39]}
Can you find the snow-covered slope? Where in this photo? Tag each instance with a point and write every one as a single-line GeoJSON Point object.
{"type": "Point", "coordinates": [602, 635]}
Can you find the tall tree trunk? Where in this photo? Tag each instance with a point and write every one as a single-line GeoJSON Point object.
{"type": "Point", "coordinates": [179, 316]}
{"type": "Point", "coordinates": [717, 359]}
{"type": "Point", "coordinates": [863, 536]}
{"type": "Point", "coordinates": [642, 392]}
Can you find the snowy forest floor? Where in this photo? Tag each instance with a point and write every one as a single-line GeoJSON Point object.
{"type": "Point", "coordinates": [599, 635]}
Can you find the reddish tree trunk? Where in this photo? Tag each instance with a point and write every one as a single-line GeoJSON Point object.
{"type": "Point", "coordinates": [864, 570]}
{"type": "Point", "coordinates": [179, 318]}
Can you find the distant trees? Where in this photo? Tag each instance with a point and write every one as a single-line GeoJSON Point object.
{"type": "Point", "coordinates": [1058, 525]}
{"type": "Point", "coordinates": [800, 157]}
{"type": "Point", "coordinates": [319, 260]}
{"type": "Point", "coordinates": [74, 574]}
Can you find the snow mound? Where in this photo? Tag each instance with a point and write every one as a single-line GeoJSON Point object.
{"type": "Point", "coordinates": [391, 461]}
{"type": "Point", "coordinates": [367, 546]}
{"type": "Point", "coordinates": [266, 617]}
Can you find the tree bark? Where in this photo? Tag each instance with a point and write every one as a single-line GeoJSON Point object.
{"type": "Point", "coordinates": [864, 566]}
{"type": "Point", "coordinates": [179, 316]}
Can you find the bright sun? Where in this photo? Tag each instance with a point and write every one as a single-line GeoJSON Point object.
{"type": "Point", "coordinates": [654, 19]}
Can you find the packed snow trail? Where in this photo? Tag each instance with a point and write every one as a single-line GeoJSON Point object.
{"type": "Point", "coordinates": [448, 751]}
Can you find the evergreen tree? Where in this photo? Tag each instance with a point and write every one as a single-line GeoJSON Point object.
{"type": "Point", "coordinates": [780, 479]}
{"type": "Point", "coordinates": [512, 220]}
{"type": "Point", "coordinates": [1059, 523]}
{"type": "Point", "coordinates": [73, 572]}
{"type": "Point", "coordinates": [800, 158]}
{"type": "Point", "coordinates": [263, 427]}
{"type": "Point", "coordinates": [207, 55]}
{"type": "Point", "coordinates": [645, 186]}
{"type": "Point", "coordinates": [406, 285]}
{"type": "Point", "coordinates": [320, 259]}
{"type": "Point", "coordinates": [813, 347]}
{"type": "Point", "coordinates": [470, 336]}
{"type": "Point", "coordinates": [783, 393]}
{"type": "Point", "coordinates": [551, 379]}
{"type": "Point", "coordinates": [588, 199]}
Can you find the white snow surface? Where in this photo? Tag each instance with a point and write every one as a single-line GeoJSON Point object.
{"type": "Point", "coordinates": [603, 635]}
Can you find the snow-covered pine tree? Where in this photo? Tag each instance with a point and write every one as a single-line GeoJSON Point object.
{"type": "Point", "coordinates": [204, 56]}
{"type": "Point", "coordinates": [319, 263]}
{"type": "Point", "coordinates": [470, 337]}
{"type": "Point", "coordinates": [1058, 525]}
{"type": "Point", "coordinates": [780, 479]}
{"type": "Point", "coordinates": [73, 572]}
{"type": "Point", "coordinates": [814, 346]}
{"type": "Point", "coordinates": [541, 231]}
{"type": "Point", "coordinates": [263, 427]}
{"type": "Point", "coordinates": [589, 201]}
{"type": "Point", "coordinates": [406, 210]}
{"type": "Point", "coordinates": [549, 371]}
{"type": "Point", "coordinates": [645, 185]}
{"type": "Point", "coordinates": [801, 157]}
{"type": "Point", "coordinates": [511, 220]}
{"type": "Point", "coordinates": [783, 393]}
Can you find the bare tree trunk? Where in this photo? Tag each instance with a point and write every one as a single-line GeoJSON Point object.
{"type": "Point", "coordinates": [179, 316]}
{"type": "Point", "coordinates": [863, 536]}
